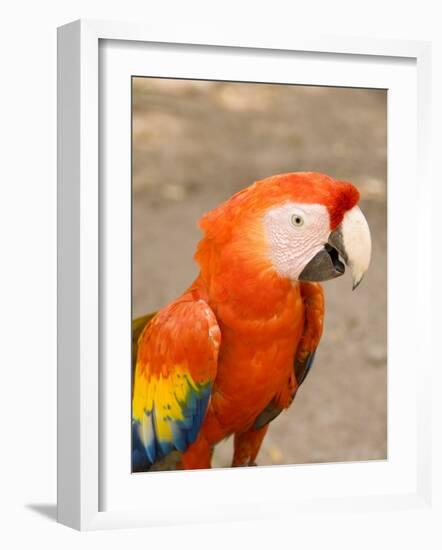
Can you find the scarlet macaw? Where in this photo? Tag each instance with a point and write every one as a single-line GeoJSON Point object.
{"type": "Point", "coordinates": [229, 355]}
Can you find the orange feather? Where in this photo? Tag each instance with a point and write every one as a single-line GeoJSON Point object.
{"type": "Point", "coordinates": [267, 322]}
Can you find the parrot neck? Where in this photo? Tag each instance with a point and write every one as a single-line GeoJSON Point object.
{"type": "Point", "coordinates": [244, 283]}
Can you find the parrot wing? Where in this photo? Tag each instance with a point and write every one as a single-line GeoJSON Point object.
{"type": "Point", "coordinates": [138, 325]}
{"type": "Point", "coordinates": [175, 369]}
{"type": "Point", "coordinates": [313, 298]}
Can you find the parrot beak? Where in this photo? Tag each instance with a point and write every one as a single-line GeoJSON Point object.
{"type": "Point", "coordinates": [352, 241]}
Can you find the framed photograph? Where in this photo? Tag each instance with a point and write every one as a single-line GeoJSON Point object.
{"type": "Point", "coordinates": [218, 202]}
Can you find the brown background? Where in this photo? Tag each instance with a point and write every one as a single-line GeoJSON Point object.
{"type": "Point", "coordinates": [194, 145]}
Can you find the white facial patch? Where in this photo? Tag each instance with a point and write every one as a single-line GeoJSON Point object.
{"type": "Point", "coordinates": [295, 234]}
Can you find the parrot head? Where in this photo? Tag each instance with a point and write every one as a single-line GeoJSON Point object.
{"type": "Point", "coordinates": [305, 226]}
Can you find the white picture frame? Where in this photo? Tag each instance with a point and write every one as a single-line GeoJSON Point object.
{"type": "Point", "coordinates": [82, 265]}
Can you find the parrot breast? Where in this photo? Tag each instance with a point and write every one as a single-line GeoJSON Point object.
{"type": "Point", "coordinates": [255, 363]}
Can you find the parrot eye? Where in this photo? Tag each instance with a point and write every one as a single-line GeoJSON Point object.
{"type": "Point", "coordinates": [297, 220]}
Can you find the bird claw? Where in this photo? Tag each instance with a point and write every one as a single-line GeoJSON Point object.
{"type": "Point", "coordinates": [250, 463]}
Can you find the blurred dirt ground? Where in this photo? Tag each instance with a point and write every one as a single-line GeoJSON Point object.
{"type": "Point", "coordinates": [197, 143]}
